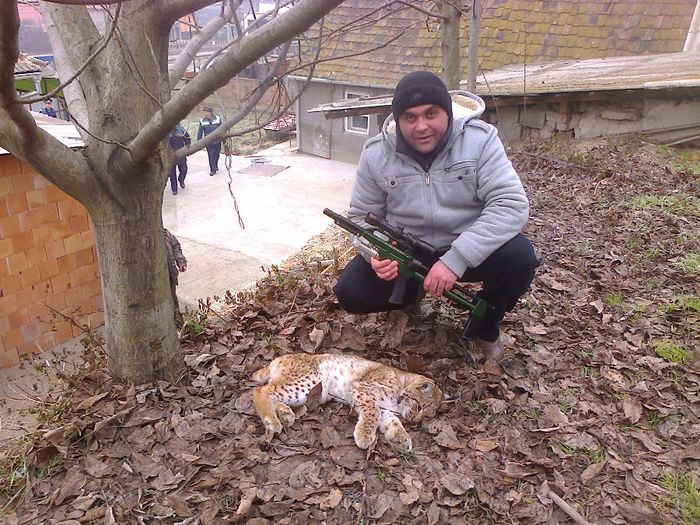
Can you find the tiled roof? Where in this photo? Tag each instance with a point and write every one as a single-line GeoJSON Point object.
{"type": "Point", "coordinates": [512, 32]}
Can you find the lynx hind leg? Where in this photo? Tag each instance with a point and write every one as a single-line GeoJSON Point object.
{"type": "Point", "coordinates": [396, 435]}
{"type": "Point", "coordinates": [366, 427]}
{"type": "Point", "coordinates": [262, 375]}
{"type": "Point", "coordinates": [268, 408]}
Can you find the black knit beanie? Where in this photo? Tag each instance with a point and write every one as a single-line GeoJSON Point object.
{"type": "Point", "coordinates": [420, 87]}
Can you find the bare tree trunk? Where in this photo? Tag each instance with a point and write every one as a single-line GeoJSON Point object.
{"type": "Point", "coordinates": [473, 63]}
{"type": "Point", "coordinates": [136, 292]}
{"type": "Point", "coordinates": [450, 18]}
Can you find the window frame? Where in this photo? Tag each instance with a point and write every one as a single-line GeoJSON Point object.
{"type": "Point", "coordinates": [347, 121]}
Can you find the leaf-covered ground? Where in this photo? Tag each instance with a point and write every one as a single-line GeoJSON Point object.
{"type": "Point", "coordinates": [594, 412]}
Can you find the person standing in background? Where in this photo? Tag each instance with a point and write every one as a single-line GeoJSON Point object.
{"type": "Point", "coordinates": [179, 138]}
{"type": "Point", "coordinates": [208, 124]}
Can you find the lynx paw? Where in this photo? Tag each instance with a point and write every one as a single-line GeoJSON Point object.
{"type": "Point", "coordinates": [272, 425]}
{"type": "Point", "coordinates": [398, 438]}
{"type": "Point", "coordinates": [286, 415]}
{"type": "Point", "coordinates": [363, 439]}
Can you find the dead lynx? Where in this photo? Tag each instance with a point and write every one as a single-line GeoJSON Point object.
{"type": "Point", "coordinates": [379, 394]}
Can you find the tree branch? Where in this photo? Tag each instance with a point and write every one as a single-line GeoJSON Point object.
{"type": "Point", "coordinates": [85, 64]}
{"type": "Point", "coordinates": [292, 22]}
{"type": "Point", "coordinates": [188, 54]}
{"type": "Point", "coordinates": [19, 133]}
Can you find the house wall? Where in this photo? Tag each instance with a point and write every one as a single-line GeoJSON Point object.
{"type": "Point", "coordinates": [661, 118]}
{"type": "Point", "coordinates": [48, 262]}
{"type": "Point", "coordinates": [233, 94]}
{"type": "Point", "coordinates": [329, 138]}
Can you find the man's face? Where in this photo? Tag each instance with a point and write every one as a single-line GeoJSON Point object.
{"type": "Point", "coordinates": [47, 104]}
{"type": "Point", "coordinates": [423, 126]}
{"type": "Point", "coordinates": [207, 114]}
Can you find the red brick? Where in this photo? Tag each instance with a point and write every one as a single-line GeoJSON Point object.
{"type": "Point", "coordinates": [22, 182]}
{"type": "Point", "coordinates": [60, 283]}
{"type": "Point", "coordinates": [9, 358]}
{"type": "Point", "coordinates": [4, 325]}
{"type": "Point", "coordinates": [40, 182]}
{"type": "Point", "coordinates": [77, 331]}
{"type": "Point", "coordinates": [37, 311]}
{"type": "Point", "coordinates": [53, 194]}
{"type": "Point", "coordinates": [25, 298]}
{"type": "Point", "coordinates": [85, 257]}
{"type": "Point", "coordinates": [46, 341]}
{"type": "Point", "coordinates": [62, 332]}
{"type": "Point", "coordinates": [48, 269]}
{"type": "Point", "coordinates": [57, 301]}
{"type": "Point", "coordinates": [8, 304]}
{"type": "Point", "coordinates": [10, 285]}
{"type": "Point", "coordinates": [80, 276]}
{"type": "Point", "coordinates": [3, 208]}
{"type": "Point", "coordinates": [5, 185]}
{"type": "Point", "coordinates": [54, 249]}
{"type": "Point", "coordinates": [93, 287]}
{"type": "Point", "coordinates": [18, 318]}
{"type": "Point", "coordinates": [36, 198]}
{"type": "Point", "coordinates": [13, 338]}
{"type": "Point", "coordinates": [6, 248]}
{"type": "Point", "coordinates": [31, 331]}
{"type": "Point", "coordinates": [67, 208]}
{"type": "Point", "coordinates": [96, 319]}
{"type": "Point", "coordinates": [28, 349]}
{"type": "Point", "coordinates": [49, 215]}
{"type": "Point", "coordinates": [79, 223]}
{"type": "Point", "coordinates": [9, 165]}
{"type": "Point", "coordinates": [16, 203]}
{"type": "Point", "coordinates": [73, 296]}
{"type": "Point", "coordinates": [97, 303]}
{"type": "Point", "coordinates": [29, 277]}
{"type": "Point", "coordinates": [67, 263]}
{"type": "Point", "coordinates": [36, 256]}
{"type": "Point", "coordinates": [9, 226]}
{"type": "Point", "coordinates": [72, 243]}
{"type": "Point", "coordinates": [60, 230]}
{"type": "Point", "coordinates": [42, 235]}
{"type": "Point", "coordinates": [16, 263]}
{"type": "Point", "coordinates": [30, 219]}
{"type": "Point", "coordinates": [23, 241]}
{"type": "Point", "coordinates": [87, 240]}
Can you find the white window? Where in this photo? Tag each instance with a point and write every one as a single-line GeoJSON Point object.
{"type": "Point", "coordinates": [356, 123]}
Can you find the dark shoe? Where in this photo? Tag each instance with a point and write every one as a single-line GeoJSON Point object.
{"type": "Point", "coordinates": [175, 191]}
{"type": "Point", "coordinates": [212, 174]}
{"type": "Point", "coordinates": [488, 350]}
{"type": "Point", "coordinates": [182, 184]}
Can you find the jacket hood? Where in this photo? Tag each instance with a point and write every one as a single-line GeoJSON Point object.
{"type": "Point", "coordinates": [465, 106]}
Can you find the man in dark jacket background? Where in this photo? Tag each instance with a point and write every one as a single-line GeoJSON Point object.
{"type": "Point", "coordinates": [179, 138]}
{"type": "Point", "coordinates": [48, 110]}
{"type": "Point", "coordinates": [208, 124]}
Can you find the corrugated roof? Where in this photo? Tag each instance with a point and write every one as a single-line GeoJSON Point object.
{"type": "Point", "coordinates": [28, 64]}
{"type": "Point", "coordinates": [512, 32]}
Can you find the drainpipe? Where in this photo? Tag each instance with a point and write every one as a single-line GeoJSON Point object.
{"type": "Point", "coordinates": [692, 41]}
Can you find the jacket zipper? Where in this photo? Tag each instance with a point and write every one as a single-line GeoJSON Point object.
{"type": "Point", "coordinates": [427, 178]}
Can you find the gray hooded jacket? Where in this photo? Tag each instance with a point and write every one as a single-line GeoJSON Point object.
{"type": "Point", "coordinates": [470, 202]}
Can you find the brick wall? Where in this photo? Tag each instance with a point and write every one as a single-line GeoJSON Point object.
{"type": "Point", "coordinates": [235, 93]}
{"type": "Point", "coordinates": [48, 259]}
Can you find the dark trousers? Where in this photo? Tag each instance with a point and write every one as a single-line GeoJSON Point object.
{"type": "Point", "coordinates": [180, 166]}
{"type": "Point", "coordinates": [506, 275]}
{"type": "Point", "coordinates": [213, 151]}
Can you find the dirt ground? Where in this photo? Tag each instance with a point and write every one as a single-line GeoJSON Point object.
{"type": "Point", "coordinates": [592, 418]}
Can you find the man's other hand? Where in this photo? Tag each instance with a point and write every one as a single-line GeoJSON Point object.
{"type": "Point", "coordinates": [439, 279]}
{"type": "Point", "coordinates": [386, 269]}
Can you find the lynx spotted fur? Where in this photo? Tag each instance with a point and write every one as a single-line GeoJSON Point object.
{"type": "Point", "coordinates": [379, 393]}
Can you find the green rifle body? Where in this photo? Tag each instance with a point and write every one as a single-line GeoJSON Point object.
{"type": "Point", "coordinates": [411, 254]}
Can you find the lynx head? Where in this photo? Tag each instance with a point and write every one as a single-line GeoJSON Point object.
{"type": "Point", "coordinates": [419, 399]}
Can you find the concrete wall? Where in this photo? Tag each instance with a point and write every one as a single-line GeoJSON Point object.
{"type": "Point", "coordinates": [662, 118]}
{"type": "Point", "coordinates": [48, 260]}
{"type": "Point", "coordinates": [328, 138]}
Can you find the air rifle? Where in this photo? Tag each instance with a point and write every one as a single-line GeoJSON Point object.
{"type": "Point", "coordinates": [412, 254]}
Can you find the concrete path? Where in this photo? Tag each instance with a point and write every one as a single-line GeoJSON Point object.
{"type": "Point", "coordinates": [281, 213]}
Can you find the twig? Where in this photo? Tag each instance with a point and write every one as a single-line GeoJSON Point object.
{"type": "Point", "coordinates": [563, 505]}
{"type": "Point", "coordinates": [342, 255]}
